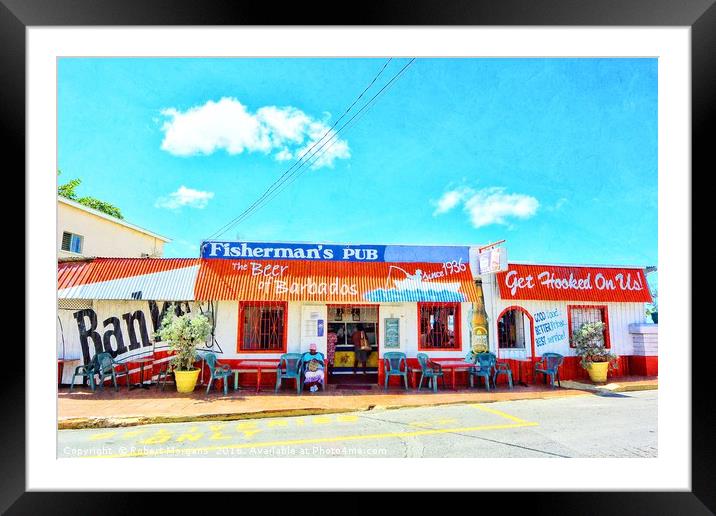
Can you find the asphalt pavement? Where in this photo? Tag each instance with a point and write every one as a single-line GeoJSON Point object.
{"type": "Point", "coordinates": [606, 425]}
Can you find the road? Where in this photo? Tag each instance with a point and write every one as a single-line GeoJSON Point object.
{"type": "Point", "coordinates": [618, 425]}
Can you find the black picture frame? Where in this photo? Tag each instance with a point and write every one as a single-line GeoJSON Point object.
{"type": "Point", "coordinates": [355, 314]}
{"type": "Point", "coordinates": [699, 15]}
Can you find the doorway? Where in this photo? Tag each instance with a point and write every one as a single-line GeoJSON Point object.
{"type": "Point", "coordinates": [343, 321]}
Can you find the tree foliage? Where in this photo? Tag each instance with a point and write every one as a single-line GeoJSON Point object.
{"type": "Point", "coordinates": [67, 190]}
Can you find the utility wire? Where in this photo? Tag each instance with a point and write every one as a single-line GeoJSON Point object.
{"type": "Point", "coordinates": [317, 155]}
{"type": "Point", "coordinates": [280, 185]}
{"type": "Point", "coordinates": [227, 226]}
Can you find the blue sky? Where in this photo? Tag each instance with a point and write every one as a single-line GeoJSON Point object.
{"type": "Point", "coordinates": [557, 156]}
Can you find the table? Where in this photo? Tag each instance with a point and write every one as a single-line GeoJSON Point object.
{"type": "Point", "coordinates": [521, 364]}
{"type": "Point", "coordinates": [456, 365]}
{"type": "Point", "coordinates": [141, 362]}
{"type": "Point", "coordinates": [253, 365]}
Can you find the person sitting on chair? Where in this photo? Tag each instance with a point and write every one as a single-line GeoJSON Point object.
{"type": "Point", "coordinates": [314, 364]}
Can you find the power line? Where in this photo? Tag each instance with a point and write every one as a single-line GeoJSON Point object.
{"type": "Point", "coordinates": [290, 179]}
{"type": "Point", "coordinates": [226, 227]}
{"type": "Point", "coordinates": [279, 185]}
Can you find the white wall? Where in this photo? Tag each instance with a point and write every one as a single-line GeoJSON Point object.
{"type": "Point", "coordinates": [102, 236]}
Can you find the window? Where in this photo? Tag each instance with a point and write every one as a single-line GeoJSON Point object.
{"type": "Point", "coordinates": [578, 315]}
{"type": "Point", "coordinates": [439, 326]}
{"type": "Point", "coordinates": [262, 326]}
{"type": "Point", "coordinates": [511, 329]}
{"type": "Point", "coordinates": [71, 242]}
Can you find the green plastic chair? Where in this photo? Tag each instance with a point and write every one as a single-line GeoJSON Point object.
{"type": "Point", "coordinates": [106, 369]}
{"type": "Point", "coordinates": [485, 361]}
{"type": "Point", "coordinates": [430, 370]}
{"type": "Point", "coordinates": [395, 363]}
{"type": "Point", "coordinates": [289, 366]}
{"type": "Point", "coordinates": [548, 365]}
{"type": "Point", "coordinates": [86, 371]}
{"type": "Point", "coordinates": [218, 372]}
{"type": "Point", "coordinates": [501, 368]}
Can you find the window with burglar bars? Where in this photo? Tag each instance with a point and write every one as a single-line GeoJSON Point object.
{"type": "Point", "coordinates": [579, 315]}
{"type": "Point", "coordinates": [439, 325]}
{"type": "Point", "coordinates": [262, 327]}
{"type": "Point", "coordinates": [71, 242]}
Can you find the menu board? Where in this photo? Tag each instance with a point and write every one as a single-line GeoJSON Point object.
{"type": "Point", "coordinates": [392, 333]}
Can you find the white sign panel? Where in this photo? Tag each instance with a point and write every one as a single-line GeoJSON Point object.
{"type": "Point", "coordinates": [491, 261]}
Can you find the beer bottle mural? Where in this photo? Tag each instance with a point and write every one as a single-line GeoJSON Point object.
{"type": "Point", "coordinates": [478, 323]}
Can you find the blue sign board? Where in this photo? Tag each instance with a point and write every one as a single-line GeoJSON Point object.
{"type": "Point", "coordinates": [333, 252]}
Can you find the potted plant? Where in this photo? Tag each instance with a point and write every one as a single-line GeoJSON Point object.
{"type": "Point", "coordinates": [595, 356]}
{"type": "Point", "coordinates": [183, 333]}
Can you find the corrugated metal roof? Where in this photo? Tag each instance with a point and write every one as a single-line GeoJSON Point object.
{"type": "Point", "coordinates": [167, 279]}
{"type": "Point", "coordinates": [293, 280]}
{"type": "Point", "coordinates": [575, 283]}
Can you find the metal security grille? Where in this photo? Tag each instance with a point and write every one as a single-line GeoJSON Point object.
{"type": "Point", "coordinates": [439, 325]}
{"type": "Point", "coordinates": [587, 314]}
{"type": "Point", "coordinates": [263, 327]}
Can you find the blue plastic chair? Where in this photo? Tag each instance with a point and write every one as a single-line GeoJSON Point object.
{"type": "Point", "coordinates": [289, 366]}
{"type": "Point", "coordinates": [430, 370]}
{"type": "Point", "coordinates": [218, 372]}
{"type": "Point", "coordinates": [548, 365]}
{"type": "Point", "coordinates": [395, 363]}
{"type": "Point", "coordinates": [485, 361]}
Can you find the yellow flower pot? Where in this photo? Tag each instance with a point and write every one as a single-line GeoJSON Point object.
{"type": "Point", "coordinates": [186, 380]}
{"type": "Point", "coordinates": [598, 371]}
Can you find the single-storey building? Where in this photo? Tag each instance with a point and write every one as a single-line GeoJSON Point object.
{"type": "Point", "coordinates": [266, 299]}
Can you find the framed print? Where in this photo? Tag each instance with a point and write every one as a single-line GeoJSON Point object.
{"type": "Point", "coordinates": [175, 163]}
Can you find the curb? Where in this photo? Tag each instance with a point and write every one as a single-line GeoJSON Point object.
{"type": "Point", "coordinates": [120, 422]}
{"type": "Point", "coordinates": [612, 387]}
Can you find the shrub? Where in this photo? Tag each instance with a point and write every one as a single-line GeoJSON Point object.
{"type": "Point", "coordinates": [589, 345]}
{"type": "Point", "coordinates": [183, 333]}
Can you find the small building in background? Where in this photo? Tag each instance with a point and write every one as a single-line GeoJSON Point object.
{"type": "Point", "coordinates": [83, 231]}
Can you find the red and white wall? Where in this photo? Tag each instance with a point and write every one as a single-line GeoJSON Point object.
{"type": "Point", "coordinates": [626, 318]}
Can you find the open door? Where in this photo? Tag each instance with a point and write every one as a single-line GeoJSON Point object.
{"type": "Point", "coordinates": [343, 322]}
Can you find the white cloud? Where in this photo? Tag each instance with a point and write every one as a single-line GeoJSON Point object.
{"type": "Point", "coordinates": [450, 199]}
{"type": "Point", "coordinates": [488, 206]}
{"type": "Point", "coordinates": [229, 125]}
{"type": "Point", "coordinates": [184, 197]}
{"type": "Point", "coordinates": [283, 155]}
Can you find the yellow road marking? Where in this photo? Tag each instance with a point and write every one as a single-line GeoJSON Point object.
{"type": "Point", "coordinates": [192, 434]}
{"type": "Point", "coordinates": [499, 413]}
{"type": "Point", "coordinates": [104, 435]}
{"type": "Point", "coordinates": [323, 440]}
